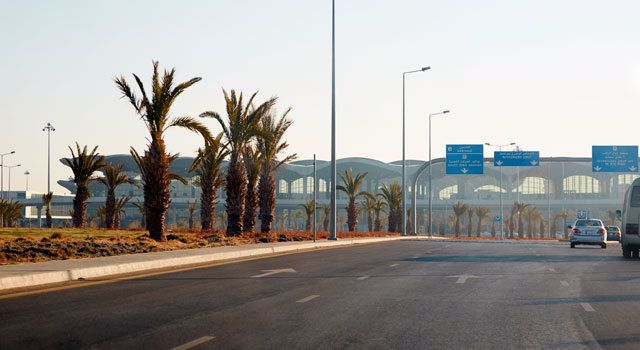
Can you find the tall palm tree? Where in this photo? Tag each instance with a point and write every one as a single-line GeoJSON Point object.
{"type": "Point", "coordinates": [83, 165]}
{"type": "Point", "coordinates": [327, 217]}
{"type": "Point", "coordinates": [113, 177]}
{"type": "Point", "coordinates": [518, 209]}
{"type": "Point", "coordinates": [378, 208]}
{"type": "Point", "coordinates": [46, 200]}
{"type": "Point", "coordinates": [142, 210]}
{"type": "Point", "coordinates": [269, 149]}
{"type": "Point", "coordinates": [531, 214]}
{"type": "Point", "coordinates": [155, 113]}
{"type": "Point", "coordinates": [120, 212]}
{"type": "Point", "coordinates": [350, 187]}
{"type": "Point", "coordinates": [207, 166]}
{"type": "Point", "coordinates": [191, 209]}
{"type": "Point", "coordinates": [482, 213]}
{"type": "Point", "coordinates": [368, 207]}
{"type": "Point", "coordinates": [470, 212]}
{"type": "Point", "coordinates": [252, 163]}
{"type": "Point", "coordinates": [242, 125]}
{"type": "Point", "coordinates": [458, 210]}
{"type": "Point", "coordinates": [308, 208]}
{"type": "Point", "coordinates": [392, 195]}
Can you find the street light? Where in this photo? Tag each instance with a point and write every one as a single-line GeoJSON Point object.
{"type": "Point", "coordinates": [404, 165]}
{"type": "Point", "coordinates": [430, 209]}
{"type": "Point", "coordinates": [9, 167]}
{"type": "Point", "coordinates": [501, 211]}
{"type": "Point", "coordinates": [332, 229]}
{"type": "Point", "coordinates": [48, 128]}
{"type": "Point", "coordinates": [2, 172]}
{"type": "Point", "coordinates": [27, 173]}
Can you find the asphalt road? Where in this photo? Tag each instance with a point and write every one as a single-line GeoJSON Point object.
{"type": "Point", "coordinates": [396, 295]}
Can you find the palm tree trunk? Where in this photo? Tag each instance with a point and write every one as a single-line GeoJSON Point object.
{"type": "Point", "coordinates": [250, 208]}
{"type": "Point", "coordinates": [156, 189]}
{"type": "Point", "coordinates": [493, 228]}
{"type": "Point", "coordinates": [109, 208]}
{"type": "Point", "coordinates": [80, 206]}
{"type": "Point", "coordinates": [325, 223]}
{"type": "Point", "coordinates": [49, 219]}
{"type": "Point", "coordinates": [377, 225]}
{"type": "Point", "coordinates": [236, 186]}
{"type": "Point", "coordinates": [352, 215]}
{"type": "Point", "coordinates": [370, 221]}
{"type": "Point", "coordinates": [479, 228]}
{"type": "Point", "coordinates": [116, 221]}
{"type": "Point", "coordinates": [521, 225]}
{"type": "Point", "coordinates": [207, 204]}
{"type": "Point", "coordinates": [307, 226]}
{"type": "Point", "coordinates": [457, 227]}
{"type": "Point", "coordinates": [266, 196]}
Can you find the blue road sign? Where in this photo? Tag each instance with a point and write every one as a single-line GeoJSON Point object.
{"type": "Point", "coordinates": [614, 159]}
{"type": "Point", "coordinates": [497, 218]}
{"type": "Point", "coordinates": [465, 159]}
{"type": "Point", "coordinates": [516, 158]}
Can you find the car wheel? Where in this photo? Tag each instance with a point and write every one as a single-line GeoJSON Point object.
{"type": "Point", "coordinates": [626, 252]}
{"type": "Point", "coordinates": [603, 245]}
{"type": "Point", "coordinates": [573, 245]}
{"type": "Point", "coordinates": [634, 253]}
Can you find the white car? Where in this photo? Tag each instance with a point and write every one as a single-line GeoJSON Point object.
{"type": "Point", "coordinates": [588, 231]}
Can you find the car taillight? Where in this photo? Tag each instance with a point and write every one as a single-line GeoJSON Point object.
{"type": "Point", "coordinates": [575, 230]}
{"type": "Point", "coordinates": [631, 229]}
{"type": "Point", "coordinates": [601, 231]}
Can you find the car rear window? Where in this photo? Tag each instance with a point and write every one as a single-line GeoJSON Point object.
{"type": "Point", "coordinates": [612, 228]}
{"type": "Point", "coordinates": [588, 223]}
{"type": "Point", "coordinates": [635, 196]}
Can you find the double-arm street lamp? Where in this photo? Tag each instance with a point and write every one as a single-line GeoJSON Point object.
{"type": "Point", "coordinates": [9, 167]}
{"type": "Point", "coordinates": [404, 165]}
{"type": "Point", "coordinates": [501, 211]}
{"type": "Point", "coordinates": [2, 172]}
{"type": "Point", "coordinates": [430, 196]}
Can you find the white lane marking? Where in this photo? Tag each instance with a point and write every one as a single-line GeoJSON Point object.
{"type": "Point", "coordinates": [552, 269]}
{"type": "Point", "coordinates": [304, 300]}
{"type": "Point", "coordinates": [564, 283]}
{"type": "Point", "coordinates": [394, 265]}
{"type": "Point", "coordinates": [193, 343]}
{"type": "Point", "coordinates": [463, 278]}
{"type": "Point", "coordinates": [363, 277]}
{"type": "Point", "coordinates": [587, 307]}
{"type": "Point", "coordinates": [273, 272]}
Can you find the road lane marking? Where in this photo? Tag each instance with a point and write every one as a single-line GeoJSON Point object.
{"type": "Point", "coordinates": [273, 272]}
{"type": "Point", "coordinates": [363, 278]}
{"type": "Point", "coordinates": [463, 278]}
{"type": "Point", "coordinates": [193, 343]}
{"type": "Point", "coordinates": [304, 300]}
{"type": "Point", "coordinates": [564, 283]}
{"type": "Point", "coordinates": [587, 307]}
{"type": "Point", "coordinates": [394, 265]}
{"type": "Point", "coordinates": [552, 269]}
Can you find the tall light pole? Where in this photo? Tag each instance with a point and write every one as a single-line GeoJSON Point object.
{"type": "Point", "coordinates": [9, 167]}
{"type": "Point", "coordinates": [518, 149]}
{"type": "Point", "coordinates": [332, 230]}
{"type": "Point", "coordinates": [2, 172]}
{"type": "Point", "coordinates": [48, 128]}
{"type": "Point", "coordinates": [501, 210]}
{"type": "Point", "coordinates": [430, 209]}
{"type": "Point", "coordinates": [404, 165]}
{"type": "Point", "coordinates": [27, 173]}
{"type": "Point", "coordinates": [315, 198]}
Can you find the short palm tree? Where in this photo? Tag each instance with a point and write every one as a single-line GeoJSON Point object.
{"type": "Point", "coordinates": [113, 177]}
{"type": "Point", "coordinates": [191, 210]}
{"type": "Point", "coordinates": [207, 166]}
{"type": "Point", "coordinates": [154, 111]}
{"type": "Point", "coordinates": [141, 210]}
{"type": "Point", "coordinates": [46, 200]}
{"type": "Point", "coordinates": [10, 211]}
{"type": "Point", "coordinates": [532, 214]}
{"type": "Point", "coordinates": [369, 207]}
{"type": "Point", "coordinates": [378, 208]}
{"type": "Point", "coordinates": [458, 210]}
{"type": "Point", "coordinates": [519, 209]}
{"type": "Point", "coordinates": [83, 165]}
{"type": "Point", "coordinates": [470, 212]}
{"type": "Point", "coordinates": [101, 214]}
{"type": "Point", "coordinates": [308, 208]}
{"type": "Point", "coordinates": [482, 213]}
{"type": "Point", "coordinates": [270, 148]}
{"type": "Point", "coordinates": [350, 188]}
{"type": "Point", "coordinates": [120, 212]}
{"type": "Point", "coordinates": [327, 217]}
{"type": "Point", "coordinates": [392, 195]}
{"type": "Point", "coordinates": [252, 162]}
{"type": "Point", "coordinates": [242, 125]}
{"type": "Point", "coordinates": [564, 215]}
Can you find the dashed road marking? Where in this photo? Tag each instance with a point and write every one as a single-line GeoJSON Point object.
{"type": "Point", "coordinates": [193, 343]}
{"type": "Point", "coordinates": [552, 269]}
{"type": "Point", "coordinates": [363, 277]}
{"type": "Point", "coordinates": [304, 300]}
{"type": "Point", "coordinates": [587, 307]}
{"type": "Point", "coordinates": [564, 283]}
{"type": "Point", "coordinates": [394, 265]}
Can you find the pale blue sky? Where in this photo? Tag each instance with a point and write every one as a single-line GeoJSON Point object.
{"type": "Point", "coordinates": [553, 76]}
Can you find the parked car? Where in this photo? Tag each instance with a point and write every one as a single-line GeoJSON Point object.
{"type": "Point", "coordinates": [613, 233]}
{"type": "Point", "coordinates": [588, 231]}
{"type": "Point", "coordinates": [630, 215]}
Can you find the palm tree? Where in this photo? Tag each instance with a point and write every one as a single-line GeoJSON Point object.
{"type": "Point", "coordinates": [542, 227]}
{"type": "Point", "coordinates": [252, 167]}
{"type": "Point", "coordinates": [46, 200]}
{"type": "Point", "coordinates": [10, 211]}
{"type": "Point", "coordinates": [378, 208]}
{"type": "Point", "coordinates": [482, 213]}
{"type": "Point", "coordinates": [327, 217]}
{"type": "Point", "coordinates": [470, 212]}
{"type": "Point", "coordinates": [269, 149]}
{"type": "Point", "coordinates": [611, 214]}
{"type": "Point", "coordinates": [207, 166]}
{"type": "Point", "coordinates": [350, 187]}
{"type": "Point", "coordinates": [101, 214]}
{"type": "Point", "coordinates": [369, 207]}
{"type": "Point", "coordinates": [191, 209]}
{"type": "Point", "coordinates": [532, 214]}
{"type": "Point", "coordinates": [243, 125]}
{"type": "Point", "coordinates": [141, 210]}
{"type": "Point", "coordinates": [155, 113]}
{"type": "Point", "coordinates": [90, 219]}
{"type": "Point", "coordinates": [518, 209]}
{"type": "Point", "coordinates": [308, 208]}
{"type": "Point", "coordinates": [564, 215]}
{"type": "Point", "coordinates": [392, 195]}
{"type": "Point", "coordinates": [113, 177]}
{"type": "Point", "coordinates": [458, 210]}
{"type": "Point", "coordinates": [83, 165]}
{"type": "Point", "coordinates": [120, 212]}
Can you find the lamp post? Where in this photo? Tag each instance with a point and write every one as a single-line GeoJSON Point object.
{"type": "Point", "coordinates": [501, 211]}
{"type": "Point", "coordinates": [27, 173]}
{"type": "Point", "coordinates": [518, 149]}
{"type": "Point", "coordinates": [2, 172]}
{"type": "Point", "coordinates": [332, 230]}
{"type": "Point", "coordinates": [430, 209]}
{"type": "Point", "coordinates": [9, 167]}
{"type": "Point", "coordinates": [404, 165]}
{"type": "Point", "coordinates": [48, 128]}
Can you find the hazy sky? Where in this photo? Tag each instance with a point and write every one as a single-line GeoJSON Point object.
{"type": "Point", "coordinates": [553, 76]}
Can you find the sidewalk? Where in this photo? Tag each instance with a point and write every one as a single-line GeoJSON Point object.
{"type": "Point", "coordinates": [27, 275]}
